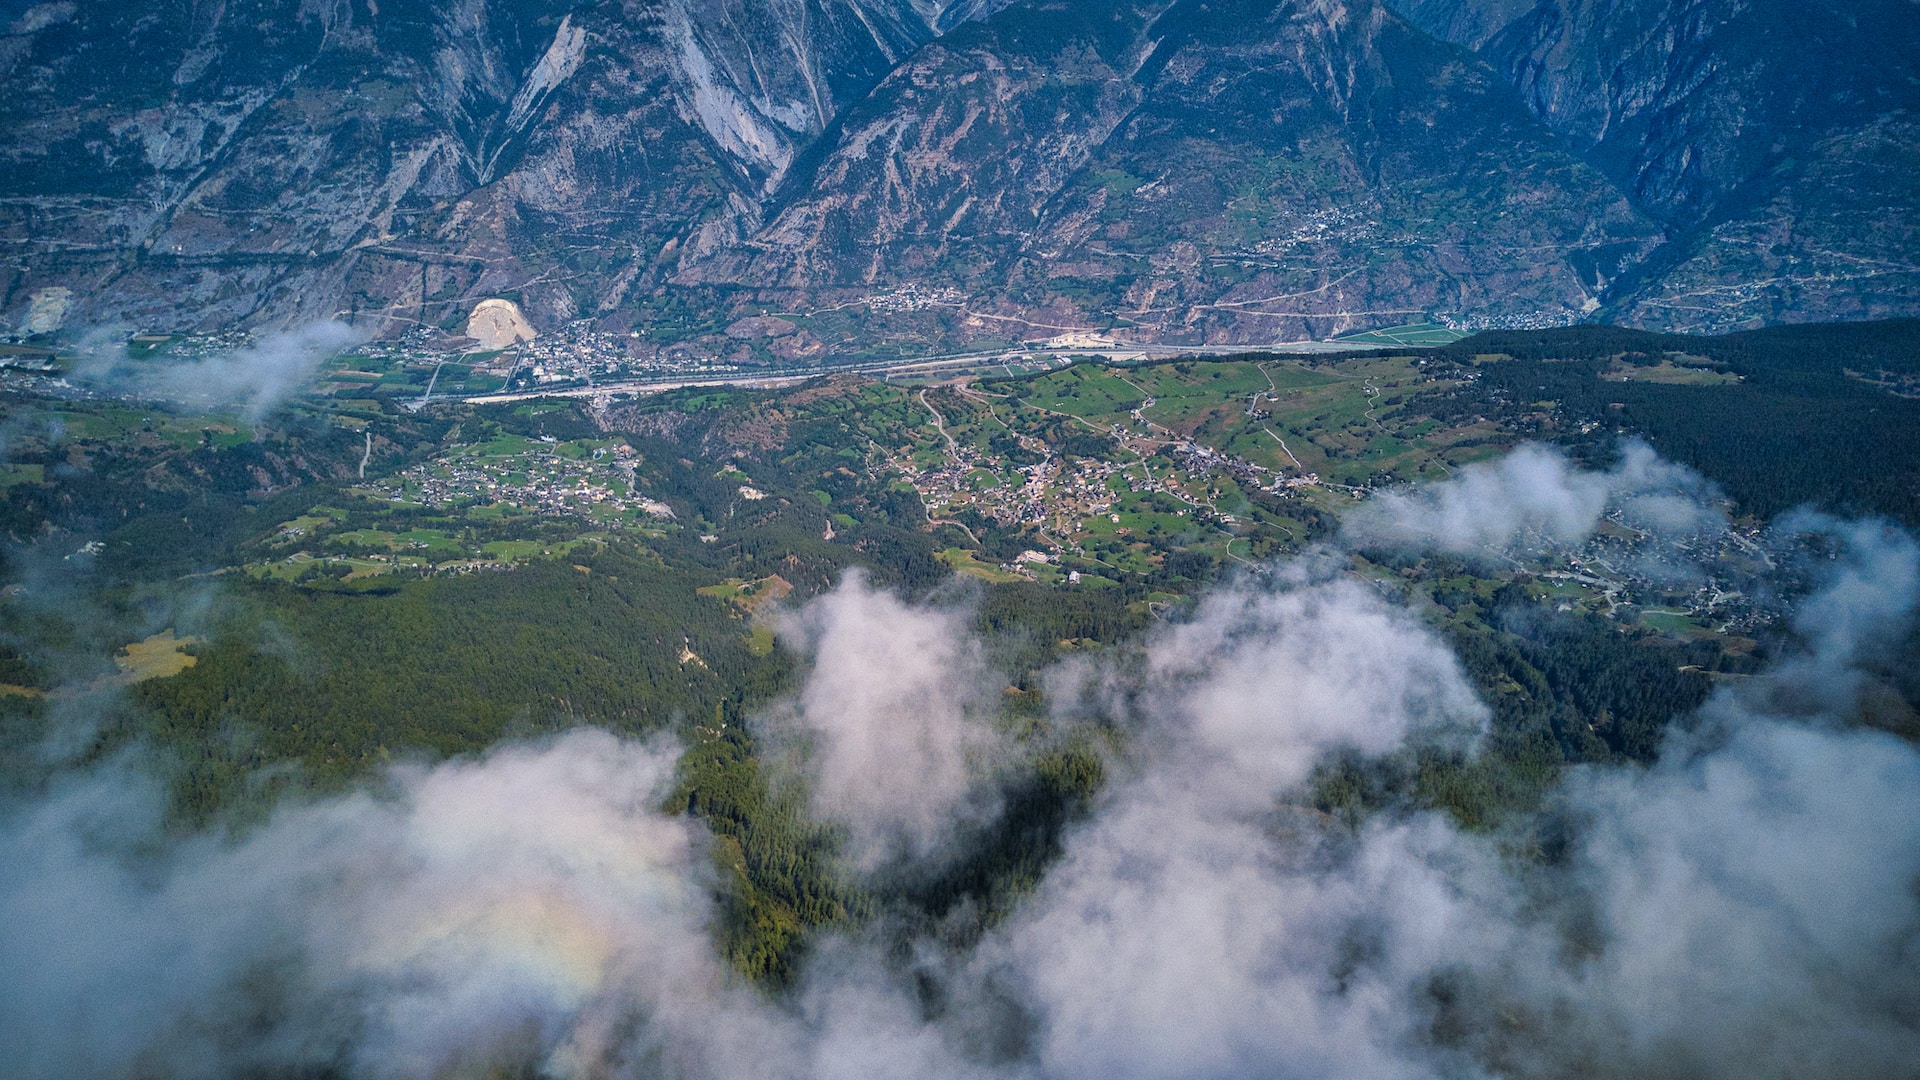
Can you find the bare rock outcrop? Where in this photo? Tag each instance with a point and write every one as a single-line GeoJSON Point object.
{"type": "Point", "coordinates": [499, 324]}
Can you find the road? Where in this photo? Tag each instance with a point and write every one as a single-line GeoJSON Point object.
{"type": "Point", "coordinates": [922, 366]}
{"type": "Point", "coordinates": [940, 425]}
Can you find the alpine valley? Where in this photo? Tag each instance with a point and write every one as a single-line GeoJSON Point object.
{"type": "Point", "coordinates": [999, 540]}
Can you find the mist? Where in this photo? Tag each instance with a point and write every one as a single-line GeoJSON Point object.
{"type": "Point", "coordinates": [518, 907]}
{"type": "Point", "coordinates": [1193, 926]}
{"type": "Point", "coordinates": [1748, 905]}
{"type": "Point", "coordinates": [256, 378]}
{"type": "Point", "coordinates": [1535, 497]}
{"type": "Point", "coordinates": [1754, 892]}
{"type": "Point", "coordinates": [895, 691]}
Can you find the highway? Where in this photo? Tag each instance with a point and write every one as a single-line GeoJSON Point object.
{"type": "Point", "coordinates": [1118, 353]}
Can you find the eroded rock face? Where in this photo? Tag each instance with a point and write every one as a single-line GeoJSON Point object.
{"type": "Point", "coordinates": [499, 324]}
{"type": "Point", "coordinates": [1772, 138]}
{"type": "Point", "coordinates": [1234, 173]}
{"type": "Point", "coordinates": [1240, 170]}
{"type": "Point", "coordinates": [47, 310]}
{"type": "Point", "coordinates": [251, 162]}
{"type": "Point", "coordinates": [760, 326]}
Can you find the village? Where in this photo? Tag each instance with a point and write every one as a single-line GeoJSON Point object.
{"type": "Point", "coordinates": [575, 355]}
{"type": "Point", "coordinates": [594, 482]}
{"type": "Point", "coordinates": [1155, 491]}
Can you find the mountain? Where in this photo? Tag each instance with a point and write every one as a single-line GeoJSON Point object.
{"type": "Point", "coordinates": [201, 165]}
{"type": "Point", "coordinates": [1227, 171]}
{"type": "Point", "coordinates": [1221, 171]}
{"type": "Point", "coordinates": [1778, 142]}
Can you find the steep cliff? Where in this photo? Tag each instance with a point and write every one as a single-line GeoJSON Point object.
{"type": "Point", "coordinates": [1774, 138]}
{"type": "Point", "coordinates": [1233, 170]}
{"type": "Point", "coordinates": [205, 164]}
{"type": "Point", "coordinates": [1225, 171]}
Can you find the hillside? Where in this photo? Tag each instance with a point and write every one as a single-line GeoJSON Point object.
{"type": "Point", "coordinates": [1251, 171]}
{"type": "Point", "coordinates": [961, 673]}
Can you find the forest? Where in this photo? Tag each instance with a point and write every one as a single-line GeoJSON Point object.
{"type": "Point", "coordinates": [1827, 416]}
{"type": "Point", "coordinates": [312, 682]}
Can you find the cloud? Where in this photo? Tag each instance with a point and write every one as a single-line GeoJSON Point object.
{"type": "Point", "coordinates": [1533, 496]}
{"type": "Point", "coordinates": [1264, 680]}
{"type": "Point", "coordinates": [1745, 907]}
{"type": "Point", "coordinates": [522, 906]}
{"type": "Point", "coordinates": [1755, 909]}
{"type": "Point", "coordinates": [1867, 603]}
{"type": "Point", "coordinates": [1756, 893]}
{"type": "Point", "coordinates": [257, 378]}
{"type": "Point", "coordinates": [1194, 927]}
{"type": "Point", "coordinates": [893, 716]}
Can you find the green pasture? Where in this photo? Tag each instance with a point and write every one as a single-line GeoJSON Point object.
{"type": "Point", "coordinates": [1411, 335]}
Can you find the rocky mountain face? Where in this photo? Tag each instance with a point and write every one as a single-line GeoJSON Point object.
{"type": "Point", "coordinates": [1778, 141]}
{"type": "Point", "coordinates": [1199, 171]}
{"type": "Point", "coordinates": [1228, 170]}
{"type": "Point", "coordinates": [216, 162]}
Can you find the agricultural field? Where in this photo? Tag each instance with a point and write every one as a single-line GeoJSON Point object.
{"type": "Point", "coordinates": [156, 657]}
{"type": "Point", "coordinates": [1409, 335]}
{"type": "Point", "coordinates": [1341, 423]}
{"type": "Point", "coordinates": [1088, 475]}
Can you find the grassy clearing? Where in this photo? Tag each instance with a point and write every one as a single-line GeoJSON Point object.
{"type": "Point", "coordinates": [1668, 373]}
{"type": "Point", "coordinates": [1674, 622]}
{"type": "Point", "coordinates": [11, 474]}
{"type": "Point", "coordinates": [1407, 334]}
{"type": "Point", "coordinates": [964, 562]}
{"type": "Point", "coordinates": [750, 596]}
{"type": "Point", "coordinates": [156, 657]}
{"type": "Point", "coordinates": [503, 445]}
{"type": "Point", "coordinates": [1088, 391]}
{"type": "Point", "coordinates": [513, 550]}
{"type": "Point", "coordinates": [760, 640]}
{"type": "Point", "coordinates": [432, 541]}
{"type": "Point", "coordinates": [108, 422]}
{"type": "Point", "coordinates": [373, 538]}
{"type": "Point", "coordinates": [300, 566]}
{"type": "Point", "coordinates": [1345, 421]}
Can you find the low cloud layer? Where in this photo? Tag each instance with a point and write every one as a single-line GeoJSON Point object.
{"type": "Point", "coordinates": [895, 692]}
{"type": "Point", "coordinates": [1535, 497]}
{"type": "Point", "coordinates": [1193, 930]}
{"type": "Point", "coordinates": [1755, 912]}
{"type": "Point", "coordinates": [1756, 893]}
{"type": "Point", "coordinates": [256, 378]}
{"type": "Point", "coordinates": [1745, 907]}
{"type": "Point", "coordinates": [519, 907]}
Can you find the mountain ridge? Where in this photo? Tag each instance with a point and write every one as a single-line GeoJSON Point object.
{"type": "Point", "coordinates": [631, 162]}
